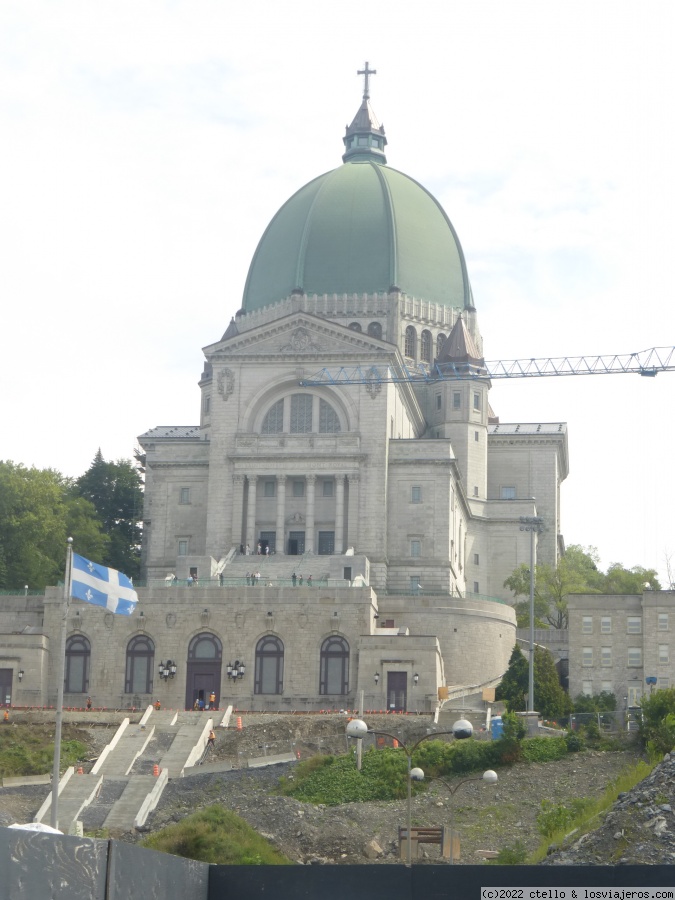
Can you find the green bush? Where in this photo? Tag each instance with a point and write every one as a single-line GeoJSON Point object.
{"type": "Point", "coordinates": [514, 855]}
{"type": "Point", "coordinates": [554, 817]}
{"type": "Point", "coordinates": [574, 742]}
{"type": "Point", "coordinates": [544, 749]}
{"type": "Point", "coordinates": [216, 835]}
{"type": "Point", "coordinates": [657, 729]}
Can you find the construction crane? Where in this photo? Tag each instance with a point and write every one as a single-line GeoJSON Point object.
{"type": "Point", "coordinates": [647, 363]}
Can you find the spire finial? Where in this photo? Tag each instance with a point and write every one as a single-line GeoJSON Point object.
{"type": "Point", "coordinates": [366, 72]}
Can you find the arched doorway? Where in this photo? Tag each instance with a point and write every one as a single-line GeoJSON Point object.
{"type": "Point", "coordinates": [204, 663]}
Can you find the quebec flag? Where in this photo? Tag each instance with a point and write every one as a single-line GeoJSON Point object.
{"type": "Point", "coordinates": [102, 587]}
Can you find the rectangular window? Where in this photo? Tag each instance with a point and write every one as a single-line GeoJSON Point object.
{"type": "Point", "coordinates": [415, 494]}
{"type": "Point", "coordinates": [605, 656]}
{"type": "Point", "coordinates": [476, 400]}
{"type": "Point", "coordinates": [587, 688]}
{"type": "Point", "coordinates": [207, 405]}
{"type": "Point", "coordinates": [475, 436]}
{"type": "Point", "coordinates": [606, 687]}
{"type": "Point", "coordinates": [182, 548]}
{"type": "Point", "coordinates": [634, 656]}
{"type": "Point", "coordinates": [587, 625]}
{"type": "Point", "coordinates": [327, 488]}
{"type": "Point", "coordinates": [587, 656]}
{"type": "Point", "coordinates": [456, 400]}
{"type": "Point", "coordinates": [476, 587]}
{"type": "Point", "coordinates": [298, 488]}
{"type": "Point", "coordinates": [476, 559]}
{"type": "Point", "coordinates": [663, 621]}
{"type": "Point", "coordinates": [269, 488]}
{"type": "Point", "coordinates": [606, 625]}
{"type": "Point", "coordinates": [415, 548]}
{"type": "Point", "coordinates": [475, 490]}
{"type": "Point", "coordinates": [663, 682]}
{"type": "Point", "coordinates": [415, 583]}
{"type": "Point", "coordinates": [439, 401]}
{"type": "Point", "coordinates": [664, 655]}
{"type": "Point", "coordinates": [634, 625]}
{"type": "Point", "coordinates": [184, 495]}
{"type": "Point", "coordinates": [507, 492]}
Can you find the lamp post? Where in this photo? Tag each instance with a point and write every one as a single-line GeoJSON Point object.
{"type": "Point", "coordinates": [535, 525]}
{"type": "Point", "coordinates": [358, 729]}
{"type": "Point", "coordinates": [489, 777]}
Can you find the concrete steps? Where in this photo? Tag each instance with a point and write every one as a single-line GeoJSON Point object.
{"type": "Point", "coordinates": [77, 792]}
{"type": "Point", "coordinates": [130, 746]}
{"type": "Point", "coordinates": [124, 811]}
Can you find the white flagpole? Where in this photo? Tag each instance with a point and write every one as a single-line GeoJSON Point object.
{"type": "Point", "coordinates": [67, 584]}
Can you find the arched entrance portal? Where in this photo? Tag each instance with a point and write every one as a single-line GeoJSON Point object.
{"type": "Point", "coordinates": [205, 657]}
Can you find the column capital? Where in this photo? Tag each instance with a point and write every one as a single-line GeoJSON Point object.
{"type": "Point", "coordinates": [311, 479]}
{"type": "Point", "coordinates": [281, 479]}
{"type": "Point", "coordinates": [353, 477]}
{"type": "Point", "coordinates": [237, 479]}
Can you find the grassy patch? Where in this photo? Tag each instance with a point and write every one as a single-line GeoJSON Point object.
{"type": "Point", "coordinates": [29, 750]}
{"type": "Point", "coordinates": [216, 835]}
{"type": "Point", "coordinates": [585, 814]}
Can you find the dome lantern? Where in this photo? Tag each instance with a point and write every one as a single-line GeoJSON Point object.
{"type": "Point", "coordinates": [365, 139]}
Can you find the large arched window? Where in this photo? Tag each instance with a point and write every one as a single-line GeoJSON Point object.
{"type": "Point", "coordinates": [301, 413]}
{"type": "Point", "coordinates": [78, 657]}
{"type": "Point", "coordinates": [355, 326]}
{"type": "Point", "coordinates": [425, 346]}
{"type": "Point", "coordinates": [328, 418]}
{"type": "Point", "coordinates": [205, 646]}
{"type": "Point", "coordinates": [334, 677]}
{"type": "Point", "coordinates": [273, 423]}
{"type": "Point", "coordinates": [269, 666]}
{"type": "Point", "coordinates": [440, 340]}
{"type": "Point", "coordinates": [375, 330]}
{"type": "Point", "coordinates": [140, 665]}
{"type": "Point", "coordinates": [410, 349]}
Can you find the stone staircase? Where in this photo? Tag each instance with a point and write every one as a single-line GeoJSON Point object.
{"type": "Point", "coordinates": [277, 569]}
{"type": "Point", "coordinates": [130, 758]}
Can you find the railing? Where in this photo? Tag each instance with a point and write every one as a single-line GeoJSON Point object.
{"type": "Point", "coordinates": [263, 581]}
{"type": "Point", "coordinates": [21, 592]}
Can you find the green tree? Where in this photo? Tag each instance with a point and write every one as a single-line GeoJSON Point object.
{"type": "Point", "coordinates": [549, 698]}
{"type": "Point", "coordinates": [587, 703]}
{"type": "Point", "coordinates": [657, 728]}
{"type": "Point", "coordinates": [514, 685]}
{"type": "Point", "coordinates": [115, 490]}
{"type": "Point", "coordinates": [38, 511]}
{"type": "Point", "coordinates": [577, 572]}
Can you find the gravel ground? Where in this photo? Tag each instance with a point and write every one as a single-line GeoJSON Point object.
{"type": "Point", "coordinates": [639, 829]}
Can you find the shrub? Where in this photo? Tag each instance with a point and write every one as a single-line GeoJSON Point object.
{"type": "Point", "coordinates": [574, 742]}
{"type": "Point", "coordinates": [544, 749]}
{"type": "Point", "coordinates": [554, 817]}
{"type": "Point", "coordinates": [216, 835]}
{"type": "Point", "coordinates": [657, 729]}
{"type": "Point", "coordinates": [511, 856]}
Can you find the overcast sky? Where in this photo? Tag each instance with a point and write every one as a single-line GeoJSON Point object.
{"type": "Point", "coordinates": [146, 145]}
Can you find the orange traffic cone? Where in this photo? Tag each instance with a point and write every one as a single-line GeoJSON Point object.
{"type": "Point", "coordinates": [239, 725]}
{"type": "Point", "coordinates": [155, 770]}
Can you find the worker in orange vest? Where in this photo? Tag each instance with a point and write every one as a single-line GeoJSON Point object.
{"type": "Point", "coordinates": [212, 700]}
{"type": "Point", "coordinates": [212, 739]}
{"type": "Point", "coordinates": [6, 716]}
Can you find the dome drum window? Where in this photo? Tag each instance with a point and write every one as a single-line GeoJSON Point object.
{"type": "Point", "coordinates": [301, 415]}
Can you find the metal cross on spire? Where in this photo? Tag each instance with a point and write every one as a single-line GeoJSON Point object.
{"type": "Point", "coordinates": [366, 72]}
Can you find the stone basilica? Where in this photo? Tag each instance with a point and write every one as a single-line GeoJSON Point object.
{"type": "Point", "coordinates": [380, 514]}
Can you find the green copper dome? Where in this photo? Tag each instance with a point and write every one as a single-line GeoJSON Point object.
{"type": "Point", "coordinates": [362, 228]}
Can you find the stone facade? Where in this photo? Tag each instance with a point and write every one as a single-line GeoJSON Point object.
{"type": "Point", "coordinates": [616, 642]}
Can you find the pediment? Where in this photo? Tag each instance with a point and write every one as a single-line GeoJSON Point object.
{"type": "Point", "coordinates": [299, 335]}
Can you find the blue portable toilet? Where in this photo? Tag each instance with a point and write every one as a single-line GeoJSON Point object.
{"type": "Point", "coordinates": [496, 727]}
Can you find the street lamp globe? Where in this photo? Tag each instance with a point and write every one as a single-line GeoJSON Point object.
{"type": "Point", "coordinates": [462, 729]}
{"type": "Point", "coordinates": [416, 774]}
{"type": "Point", "coordinates": [490, 776]}
{"type": "Point", "coordinates": [357, 728]}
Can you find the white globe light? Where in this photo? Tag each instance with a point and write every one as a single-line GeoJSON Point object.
{"type": "Point", "coordinates": [416, 774]}
{"type": "Point", "coordinates": [490, 777]}
{"type": "Point", "coordinates": [462, 729]}
{"type": "Point", "coordinates": [357, 728]}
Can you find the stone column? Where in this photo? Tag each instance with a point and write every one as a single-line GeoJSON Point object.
{"type": "Point", "coordinates": [251, 538]}
{"type": "Point", "coordinates": [309, 517]}
{"type": "Point", "coordinates": [353, 512]}
{"type": "Point", "coordinates": [340, 514]}
{"type": "Point", "coordinates": [238, 535]}
{"type": "Point", "coordinates": [281, 514]}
